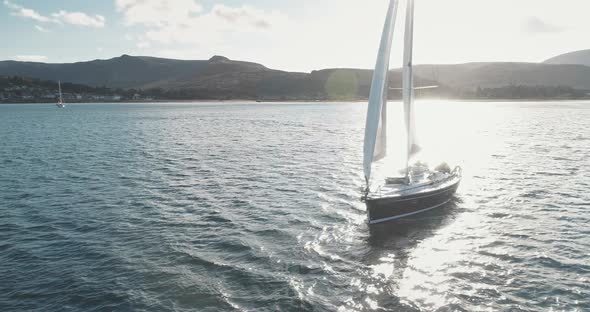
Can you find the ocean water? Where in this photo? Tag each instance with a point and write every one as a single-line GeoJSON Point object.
{"type": "Point", "coordinates": [255, 207]}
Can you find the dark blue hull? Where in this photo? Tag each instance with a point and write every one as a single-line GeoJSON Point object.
{"type": "Point", "coordinates": [395, 207]}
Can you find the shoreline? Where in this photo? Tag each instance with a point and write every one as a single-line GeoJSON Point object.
{"type": "Point", "coordinates": [248, 101]}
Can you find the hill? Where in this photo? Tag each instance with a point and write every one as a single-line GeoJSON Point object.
{"type": "Point", "coordinates": [578, 57]}
{"type": "Point", "coordinates": [494, 75]}
{"type": "Point", "coordinates": [126, 71]}
{"type": "Point", "coordinates": [222, 78]}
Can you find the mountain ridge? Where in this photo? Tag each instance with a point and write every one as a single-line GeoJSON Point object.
{"type": "Point", "coordinates": [581, 57]}
{"type": "Point", "coordinates": [222, 78]}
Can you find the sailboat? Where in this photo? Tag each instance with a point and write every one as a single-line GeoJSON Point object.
{"type": "Point", "coordinates": [420, 189]}
{"type": "Point", "coordinates": [60, 102]}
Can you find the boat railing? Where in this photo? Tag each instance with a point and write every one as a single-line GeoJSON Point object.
{"type": "Point", "coordinates": [457, 172]}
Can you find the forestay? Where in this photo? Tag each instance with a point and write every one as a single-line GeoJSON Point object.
{"type": "Point", "coordinates": [375, 146]}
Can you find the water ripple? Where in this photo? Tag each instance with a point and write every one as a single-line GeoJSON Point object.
{"type": "Point", "coordinates": [255, 207]}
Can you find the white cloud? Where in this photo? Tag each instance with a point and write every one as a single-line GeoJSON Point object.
{"type": "Point", "coordinates": [79, 19]}
{"type": "Point", "coordinates": [61, 17]}
{"type": "Point", "coordinates": [157, 12]}
{"type": "Point", "coordinates": [18, 10]}
{"type": "Point", "coordinates": [42, 29]}
{"type": "Point", "coordinates": [244, 14]}
{"type": "Point", "coordinates": [31, 58]}
{"type": "Point", "coordinates": [184, 22]}
{"type": "Point", "coordinates": [340, 36]}
{"type": "Point", "coordinates": [312, 34]}
{"type": "Point", "coordinates": [536, 25]}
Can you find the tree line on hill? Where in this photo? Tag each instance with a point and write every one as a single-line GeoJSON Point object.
{"type": "Point", "coordinates": [23, 89]}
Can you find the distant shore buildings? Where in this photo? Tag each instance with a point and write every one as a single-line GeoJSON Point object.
{"type": "Point", "coordinates": [15, 91]}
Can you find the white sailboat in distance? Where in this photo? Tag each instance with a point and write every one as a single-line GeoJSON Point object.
{"type": "Point", "coordinates": [60, 102]}
{"type": "Point", "coordinates": [420, 189]}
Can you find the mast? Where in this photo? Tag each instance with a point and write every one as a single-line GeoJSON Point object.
{"type": "Point", "coordinates": [376, 124]}
{"type": "Point", "coordinates": [59, 86]}
{"type": "Point", "coordinates": [408, 85]}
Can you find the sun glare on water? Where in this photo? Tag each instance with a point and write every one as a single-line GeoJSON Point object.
{"type": "Point", "coordinates": [445, 132]}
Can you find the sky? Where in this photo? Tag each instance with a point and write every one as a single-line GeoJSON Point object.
{"type": "Point", "coordinates": [295, 35]}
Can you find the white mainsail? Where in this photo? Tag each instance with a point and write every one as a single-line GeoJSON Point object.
{"type": "Point", "coordinates": [376, 124]}
{"type": "Point", "coordinates": [408, 82]}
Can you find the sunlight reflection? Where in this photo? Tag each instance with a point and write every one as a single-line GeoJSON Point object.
{"type": "Point", "coordinates": [448, 131]}
{"type": "Point", "coordinates": [386, 268]}
{"type": "Point", "coordinates": [428, 278]}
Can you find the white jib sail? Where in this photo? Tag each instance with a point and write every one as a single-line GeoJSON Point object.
{"type": "Point", "coordinates": [408, 81]}
{"type": "Point", "coordinates": [376, 125]}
